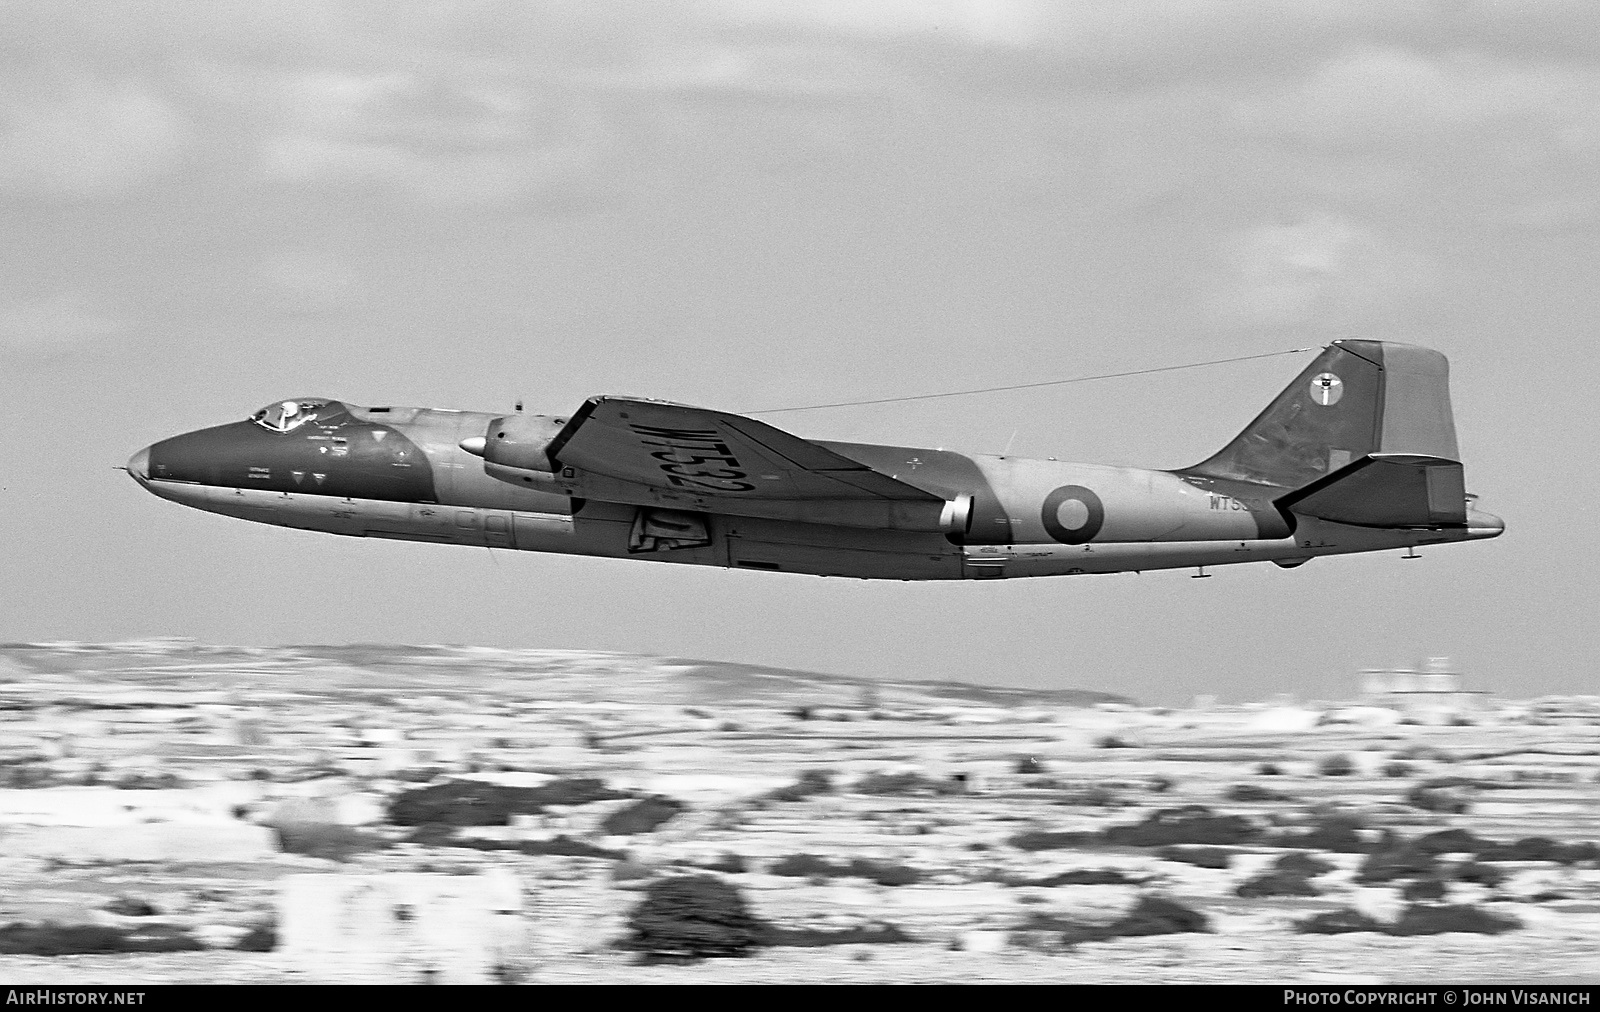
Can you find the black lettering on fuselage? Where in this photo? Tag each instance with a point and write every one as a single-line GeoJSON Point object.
{"type": "Point", "coordinates": [1228, 502]}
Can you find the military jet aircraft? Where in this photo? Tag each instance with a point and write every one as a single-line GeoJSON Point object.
{"type": "Point", "coordinates": [1358, 454]}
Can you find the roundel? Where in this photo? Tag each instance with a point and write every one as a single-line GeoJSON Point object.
{"type": "Point", "coordinates": [1326, 388]}
{"type": "Point", "coordinates": [1072, 514]}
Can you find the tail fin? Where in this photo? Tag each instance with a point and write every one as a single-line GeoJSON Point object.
{"type": "Point", "coordinates": [1356, 398]}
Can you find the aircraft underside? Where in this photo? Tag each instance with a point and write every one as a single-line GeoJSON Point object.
{"type": "Point", "coordinates": [615, 530]}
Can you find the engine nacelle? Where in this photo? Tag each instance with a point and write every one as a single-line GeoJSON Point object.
{"type": "Point", "coordinates": [521, 441]}
{"type": "Point", "coordinates": [515, 450]}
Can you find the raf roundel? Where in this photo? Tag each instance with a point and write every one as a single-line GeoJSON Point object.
{"type": "Point", "coordinates": [1326, 388]}
{"type": "Point", "coordinates": [1072, 514]}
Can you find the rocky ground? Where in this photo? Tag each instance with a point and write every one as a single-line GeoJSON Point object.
{"type": "Point", "coordinates": [964, 813]}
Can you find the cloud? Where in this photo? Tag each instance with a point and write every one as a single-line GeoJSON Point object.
{"type": "Point", "coordinates": [496, 106]}
{"type": "Point", "coordinates": [304, 280]}
{"type": "Point", "coordinates": [1015, 22]}
{"type": "Point", "coordinates": [81, 138]}
{"type": "Point", "coordinates": [444, 140]}
{"type": "Point", "coordinates": [1157, 31]}
{"type": "Point", "coordinates": [54, 323]}
{"type": "Point", "coordinates": [1459, 135]}
{"type": "Point", "coordinates": [1364, 98]}
{"type": "Point", "coordinates": [1323, 270]}
{"type": "Point", "coordinates": [788, 69]}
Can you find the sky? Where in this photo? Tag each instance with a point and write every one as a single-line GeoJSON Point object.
{"type": "Point", "coordinates": [747, 204]}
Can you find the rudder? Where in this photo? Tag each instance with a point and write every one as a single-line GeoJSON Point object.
{"type": "Point", "coordinates": [1356, 398]}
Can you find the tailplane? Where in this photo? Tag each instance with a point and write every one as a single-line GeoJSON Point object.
{"type": "Point", "coordinates": [1358, 399]}
{"type": "Point", "coordinates": [1386, 490]}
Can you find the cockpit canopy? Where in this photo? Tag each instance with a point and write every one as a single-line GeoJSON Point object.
{"type": "Point", "coordinates": [285, 416]}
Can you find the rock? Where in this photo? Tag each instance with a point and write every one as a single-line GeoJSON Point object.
{"type": "Point", "coordinates": [1303, 864]}
{"type": "Point", "coordinates": [1201, 857]}
{"type": "Point", "coordinates": [1450, 800]}
{"type": "Point", "coordinates": [1276, 884]}
{"type": "Point", "coordinates": [869, 933]}
{"type": "Point", "coordinates": [642, 816]}
{"type": "Point", "coordinates": [1431, 888]}
{"type": "Point", "coordinates": [1539, 848]}
{"type": "Point", "coordinates": [1338, 922]}
{"type": "Point", "coordinates": [813, 867]}
{"type": "Point", "coordinates": [1190, 824]}
{"type": "Point", "coordinates": [1154, 915]}
{"type": "Point", "coordinates": [334, 842]}
{"type": "Point", "coordinates": [1254, 792]}
{"type": "Point", "coordinates": [1336, 765]}
{"type": "Point", "coordinates": [629, 870]}
{"type": "Point", "coordinates": [1081, 876]}
{"type": "Point", "coordinates": [83, 939]}
{"type": "Point", "coordinates": [811, 783]}
{"type": "Point", "coordinates": [128, 906]}
{"type": "Point", "coordinates": [694, 916]}
{"type": "Point", "coordinates": [1431, 920]}
{"type": "Point", "coordinates": [260, 938]}
{"type": "Point", "coordinates": [728, 863]}
{"type": "Point", "coordinates": [1451, 841]}
{"type": "Point", "coordinates": [1402, 861]}
{"type": "Point", "coordinates": [476, 803]}
{"type": "Point", "coordinates": [1341, 832]}
{"type": "Point", "coordinates": [1034, 840]}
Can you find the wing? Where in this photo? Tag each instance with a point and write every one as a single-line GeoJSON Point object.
{"type": "Point", "coordinates": [660, 454]}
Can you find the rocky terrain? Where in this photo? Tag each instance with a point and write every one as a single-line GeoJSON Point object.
{"type": "Point", "coordinates": [154, 795]}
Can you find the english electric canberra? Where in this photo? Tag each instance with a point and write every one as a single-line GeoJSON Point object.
{"type": "Point", "coordinates": [1358, 454]}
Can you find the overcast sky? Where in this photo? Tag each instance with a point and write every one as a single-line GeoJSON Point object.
{"type": "Point", "coordinates": [754, 203]}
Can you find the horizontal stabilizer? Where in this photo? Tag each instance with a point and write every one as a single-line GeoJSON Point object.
{"type": "Point", "coordinates": [1386, 490]}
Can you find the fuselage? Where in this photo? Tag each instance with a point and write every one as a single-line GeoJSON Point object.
{"type": "Point", "coordinates": [402, 473]}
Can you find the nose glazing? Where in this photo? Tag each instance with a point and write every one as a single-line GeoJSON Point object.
{"type": "Point", "coordinates": [139, 465]}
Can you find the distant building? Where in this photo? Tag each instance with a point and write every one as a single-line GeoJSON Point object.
{"type": "Point", "coordinates": [1431, 693]}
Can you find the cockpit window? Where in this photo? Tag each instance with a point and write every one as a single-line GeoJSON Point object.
{"type": "Point", "coordinates": [286, 415]}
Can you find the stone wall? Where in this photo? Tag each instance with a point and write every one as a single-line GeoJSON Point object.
{"type": "Point", "coordinates": [411, 928]}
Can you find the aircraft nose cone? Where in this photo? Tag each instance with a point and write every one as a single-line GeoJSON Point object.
{"type": "Point", "coordinates": [139, 464]}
